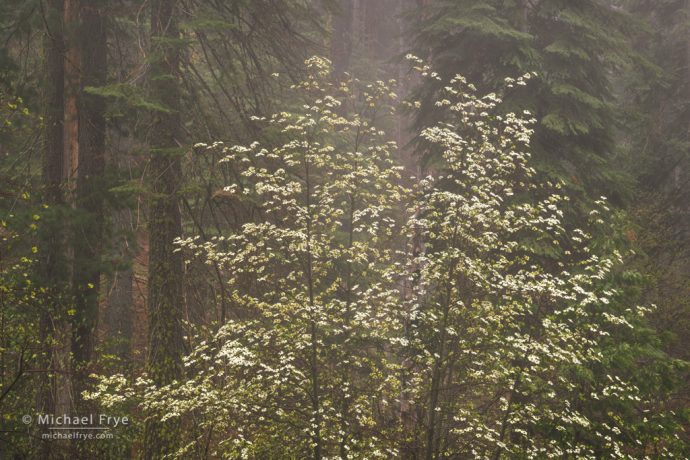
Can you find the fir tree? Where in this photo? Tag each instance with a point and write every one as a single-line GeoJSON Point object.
{"type": "Point", "coordinates": [572, 46]}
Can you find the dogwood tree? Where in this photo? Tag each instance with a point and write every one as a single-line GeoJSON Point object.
{"type": "Point", "coordinates": [469, 316]}
{"type": "Point", "coordinates": [519, 314]}
{"type": "Point", "coordinates": [303, 369]}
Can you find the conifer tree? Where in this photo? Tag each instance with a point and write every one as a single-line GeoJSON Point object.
{"type": "Point", "coordinates": [659, 143]}
{"type": "Point", "coordinates": [573, 47]}
{"type": "Point", "coordinates": [165, 295]}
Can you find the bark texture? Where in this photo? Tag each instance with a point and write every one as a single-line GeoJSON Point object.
{"type": "Point", "coordinates": [165, 295]}
{"type": "Point", "coordinates": [88, 231]}
{"type": "Point", "coordinates": [52, 261]}
{"type": "Point", "coordinates": [341, 40]}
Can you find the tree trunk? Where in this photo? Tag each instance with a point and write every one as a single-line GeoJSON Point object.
{"type": "Point", "coordinates": [52, 261]}
{"type": "Point", "coordinates": [70, 161]}
{"type": "Point", "coordinates": [72, 61]}
{"type": "Point", "coordinates": [120, 304]}
{"type": "Point", "coordinates": [684, 172]}
{"type": "Point", "coordinates": [165, 297]}
{"type": "Point", "coordinates": [341, 40]}
{"type": "Point", "coordinates": [88, 229]}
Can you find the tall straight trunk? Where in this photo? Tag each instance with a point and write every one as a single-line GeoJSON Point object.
{"type": "Point", "coordinates": [165, 296]}
{"type": "Point", "coordinates": [687, 63]}
{"type": "Point", "coordinates": [71, 62]}
{"type": "Point", "coordinates": [88, 228]}
{"type": "Point", "coordinates": [522, 15]}
{"type": "Point", "coordinates": [70, 166]}
{"type": "Point", "coordinates": [54, 91]}
{"type": "Point", "coordinates": [52, 261]}
{"type": "Point", "coordinates": [341, 40]}
{"type": "Point", "coordinates": [120, 304]}
{"type": "Point", "coordinates": [376, 35]}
